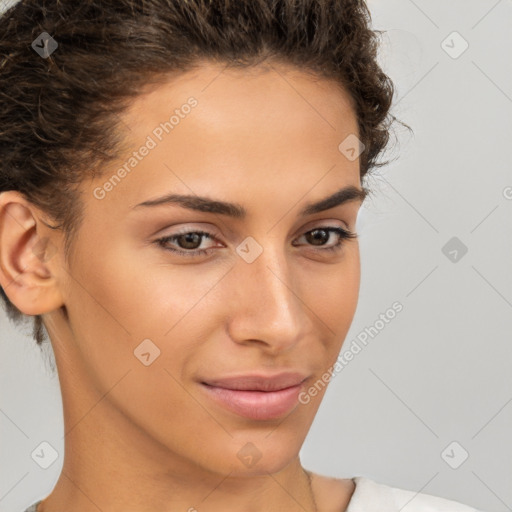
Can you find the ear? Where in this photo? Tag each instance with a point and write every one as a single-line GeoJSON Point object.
{"type": "Point", "coordinates": [28, 257]}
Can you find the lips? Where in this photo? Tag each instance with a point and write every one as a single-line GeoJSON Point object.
{"type": "Point", "coordinates": [256, 397]}
{"type": "Point", "coordinates": [258, 382]}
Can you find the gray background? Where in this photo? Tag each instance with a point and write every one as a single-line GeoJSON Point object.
{"type": "Point", "coordinates": [439, 372]}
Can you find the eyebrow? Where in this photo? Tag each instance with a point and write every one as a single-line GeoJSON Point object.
{"type": "Point", "coordinates": [237, 211]}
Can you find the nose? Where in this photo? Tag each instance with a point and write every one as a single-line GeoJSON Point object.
{"type": "Point", "coordinates": [268, 306]}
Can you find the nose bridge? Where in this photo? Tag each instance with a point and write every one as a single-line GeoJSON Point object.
{"type": "Point", "coordinates": [272, 283]}
{"type": "Point", "coordinates": [267, 305]}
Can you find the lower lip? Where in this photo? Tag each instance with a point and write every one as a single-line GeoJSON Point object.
{"type": "Point", "coordinates": [256, 405]}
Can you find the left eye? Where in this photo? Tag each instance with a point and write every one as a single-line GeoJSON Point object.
{"type": "Point", "coordinates": [189, 240]}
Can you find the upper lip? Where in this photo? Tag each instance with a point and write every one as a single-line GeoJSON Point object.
{"type": "Point", "coordinates": [258, 382]}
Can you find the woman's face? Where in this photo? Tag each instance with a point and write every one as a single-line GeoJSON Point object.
{"type": "Point", "coordinates": [147, 325]}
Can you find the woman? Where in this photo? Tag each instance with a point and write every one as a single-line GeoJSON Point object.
{"type": "Point", "coordinates": [180, 184]}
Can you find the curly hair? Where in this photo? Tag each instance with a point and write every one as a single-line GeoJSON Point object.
{"type": "Point", "coordinates": [59, 116]}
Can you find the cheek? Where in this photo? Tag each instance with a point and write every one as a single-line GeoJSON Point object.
{"type": "Point", "coordinates": [136, 293]}
{"type": "Point", "coordinates": [335, 295]}
{"type": "Point", "coordinates": [121, 313]}
{"type": "Point", "coordinates": [116, 302]}
{"type": "Point", "coordinates": [133, 306]}
{"type": "Point", "coordinates": [334, 302]}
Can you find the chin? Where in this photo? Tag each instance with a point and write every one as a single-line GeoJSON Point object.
{"type": "Point", "coordinates": [260, 454]}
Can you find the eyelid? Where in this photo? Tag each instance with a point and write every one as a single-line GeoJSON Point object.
{"type": "Point", "coordinates": [344, 234]}
{"type": "Point", "coordinates": [323, 223]}
{"type": "Point", "coordinates": [216, 234]}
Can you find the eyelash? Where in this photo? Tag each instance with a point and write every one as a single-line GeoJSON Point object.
{"type": "Point", "coordinates": [343, 235]}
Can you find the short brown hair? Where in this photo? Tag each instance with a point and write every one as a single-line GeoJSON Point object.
{"type": "Point", "coordinates": [59, 115]}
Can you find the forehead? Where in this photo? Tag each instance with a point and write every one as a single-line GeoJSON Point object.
{"type": "Point", "coordinates": [218, 132]}
{"type": "Point", "coordinates": [232, 97]}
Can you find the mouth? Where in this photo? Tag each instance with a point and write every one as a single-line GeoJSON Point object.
{"type": "Point", "coordinates": [256, 397]}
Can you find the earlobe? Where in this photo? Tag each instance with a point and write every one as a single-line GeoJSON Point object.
{"type": "Point", "coordinates": [28, 257]}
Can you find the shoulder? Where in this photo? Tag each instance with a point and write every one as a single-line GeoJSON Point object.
{"type": "Point", "coordinates": [33, 507]}
{"type": "Point", "coordinates": [361, 494]}
{"type": "Point", "coordinates": [372, 496]}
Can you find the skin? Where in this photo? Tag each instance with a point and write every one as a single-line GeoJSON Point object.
{"type": "Point", "coordinates": [145, 438]}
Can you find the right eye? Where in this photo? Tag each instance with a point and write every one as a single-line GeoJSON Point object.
{"type": "Point", "coordinates": [186, 237]}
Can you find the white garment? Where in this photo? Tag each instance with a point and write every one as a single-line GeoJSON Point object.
{"type": "Point", "coordinates": [370, 496]}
